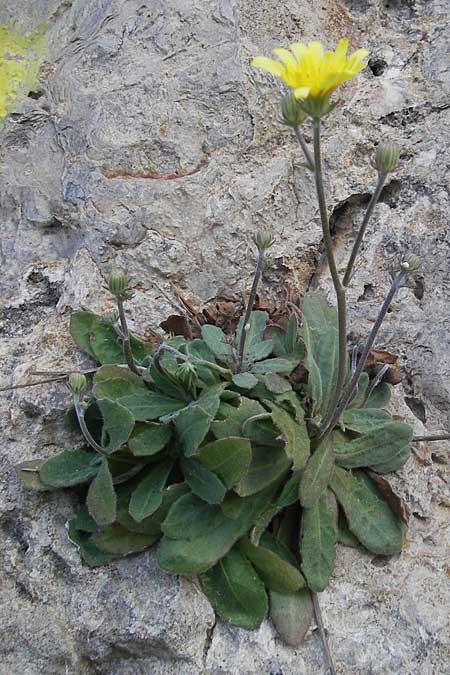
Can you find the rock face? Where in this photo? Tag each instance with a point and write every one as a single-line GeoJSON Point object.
{"type": "Point", "coordinates": [153, 146]}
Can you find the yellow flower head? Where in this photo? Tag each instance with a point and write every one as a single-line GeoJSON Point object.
{"type": "Point", "coordinates": [310, 71]}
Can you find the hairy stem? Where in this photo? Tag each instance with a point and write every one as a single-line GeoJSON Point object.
{"type": "Point", "coordinates": [251, 302]}
{"type": "Point", "coordinates": [323, 636]}
{"type": "Point", "coordinates": [399, 279]}
{"type": "Point", "coordinates": [356, 246]}
{"type": "Point", "coordinates": [86, 433]}
{"type": "Point", "coordinates": [305, 149]}
{"type": "Point", "coordinates": [339, 289]}
{"type": "Point", "coordinates": [437, 437]}
{"type": "Point", "coordinates": [126, 339]}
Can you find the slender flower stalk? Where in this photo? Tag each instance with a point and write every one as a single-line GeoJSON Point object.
{"type": "Point", "coordinates": [334, 418]}
{"type": "Point", "coordinates": [362, 230]}
{"type": "Point", "coordinates": [331, 670]}
{"type": "Point", "coordinates": [305, 149]}
{"type": "Point", "coordinates": [126, 345]}
{"type": "Point", "coordinates": [86, 433]}
{"type": "Point", "coordinates": [437, 437]}
{"type": "Point", "coordinates": [250, 303]}
{"type": "Point", "coordinates": [339, 289]}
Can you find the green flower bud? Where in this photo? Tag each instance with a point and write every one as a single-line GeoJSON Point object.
{"type": "Point", "coordinates": [386, 158]}
{"type": "Point", "coordinates": [263, 239]}
{"type": "Point", "coordinates": [77, 383]}
{"type": "Point", "coordinates": [117, 284]}
{"type": "Point", "coordinates": [292, 113]}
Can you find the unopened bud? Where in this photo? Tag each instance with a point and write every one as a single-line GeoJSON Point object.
{"type": "Point", "coordinates": [117, 284]}
{"type": "Point", "coordinates": [263, 239]}
{"type": "Point", "coordinates": [77, 383]}
{"type": "Point", "coordinates": [293, 115]}
{"type": "Point", "coordinates": [410, 264]}
{"type": "Point", "coordinates": [386, 158]}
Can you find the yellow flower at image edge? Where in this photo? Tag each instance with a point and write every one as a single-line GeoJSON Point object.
{"type": "Point", "coordinates": [310, 71]}
{"type": "Point", "coordinates": [20, 58]}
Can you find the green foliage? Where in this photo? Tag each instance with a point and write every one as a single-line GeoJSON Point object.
{"type": "Point", "coordinates": [227, 469]}
{"type": "Point", "coordinates": [235, 591]}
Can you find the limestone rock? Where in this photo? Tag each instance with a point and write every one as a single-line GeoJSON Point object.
{"type": "Point", "coordinates": [153, 146]}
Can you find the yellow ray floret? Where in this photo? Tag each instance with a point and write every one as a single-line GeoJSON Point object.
{"type": "Point", "coordinates": [310, 71]}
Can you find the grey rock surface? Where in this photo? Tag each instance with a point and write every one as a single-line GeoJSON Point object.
{"type": "Point", "coordinates": [155, 147]}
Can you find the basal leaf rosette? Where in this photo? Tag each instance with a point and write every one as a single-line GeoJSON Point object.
{"type": "Point", "coordinates": [226, 470]}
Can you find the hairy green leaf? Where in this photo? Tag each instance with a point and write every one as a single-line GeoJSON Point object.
{"type": "Point", "coordinates": [115, 381]}
{"type": "Point", "coordinates": [118, 423]}
{"type": "Point", "coordinates": [117, 540]}
{"type": "Point", "coordinates": [295, 435]}
{"type": "Point", "coordinates": [277, 574]}
{"type": "Point", "coordinates": [101, 499]}
{"type": "Point", "coordinates": [229, 458]}
{"type": "Point", "coordinates": [235, 591]}
{"type": "Point", "coordinates": [189, 517]}
{"type": "Point", "coordinates": [198, 555]}
{"type": "Point", "coordinates": [70, 467]}
{"type": "Point", "coordinates": [380, 396]}
{"type": "Point", "coordinates": [217, 342]}
{"type": "Point", "coordinates": [318, 544]}
{"type": "Point", "coordinates": [193, 422]}
{"type": "Point", "coordinates": [359, 396]}
{"type": "Point", "coordinates": [274, 365]}
{"type": "Point", "coordinates": [236, 417]}
{"type": "Point", "coordinates": [365, 419]}
{"type": "Point", "coordinates": [81, 325]}
{"type": "Point", "coordinates": [28, 473]}
{"type": "Point", "coordinates": [148, 439]}
{"type": "Point", "coordinates": [368, 514]}
{"type": "Point", "coordinates": [291, 614]}
{"type": "Point", "coordinates": [245, 380]}
{"type": "Point", "coordinates": [395, 462]}
{"type": "Point", "coordinates": [376, 447]}
{"type": "Point", "coordinates": [267, 465]}
{"type": "Point", "coordinates": [254, 333]}
{"type": "Point", "coordinates": [316, 475]}
{"type": "Point", "coordinates": [147, 497]}
{"type": "Point", "coordinates": [203, 482]}
{"type": "Point", "coordinates": [90, 553]}
{"type": "Point", "coordinates": [149, 406]}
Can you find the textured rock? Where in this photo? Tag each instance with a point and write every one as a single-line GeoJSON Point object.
{"type": "Point", "coordinates": [155, 147]}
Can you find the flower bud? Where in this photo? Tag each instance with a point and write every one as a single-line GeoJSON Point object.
{"type": "Point", "coordinates": [292, 113]}
{"type": "Point", "coordinates": [77, 383]}
{"type": "Point", "coordinates": [263, 239]}
{"type": "Point", "coordinates": [117, 284]}
{"type": "Point", "coordinates": [386, 158]}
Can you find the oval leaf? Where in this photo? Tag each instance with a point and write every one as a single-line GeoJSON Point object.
{"type": "Point", "coordinates": [266, 466]}
{"type": "Point", "coordinates": [69, 468]}
{"type": "Point", "coordinates": [147, 497]}
{"type": "Point", "coordinates": [148, 439]}
{"type": "Point", "coordinates": [117, 540]}
{"type": "Point", "coordinates": [101, 499]}
{"type": "Point", "coordinates": [235, 591]}
{"type": "Point", "coordinates": [318, 544]}
{"type": "Point", "coordinates": [368, 514]}
{"type": "Point", "coordinates": [277, 574]}
{"type": "Point", "coordinates": [229, 458]}
{"type": "Point", "coordinates": [291, 614]}
{"type": "Point", "coordinates": [315, 477]}
{"type": "Point", "coordinates": [203, 482]}
{"type": "Point", "coordinates": [118, 424]}
{"type": "Point", "coordinates": [376, 447]}
{"type": "Point", "coordinates": [295, 436]}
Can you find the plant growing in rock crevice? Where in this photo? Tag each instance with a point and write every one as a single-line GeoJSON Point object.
{"type": "Point", "coordinates": [246, 468]}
